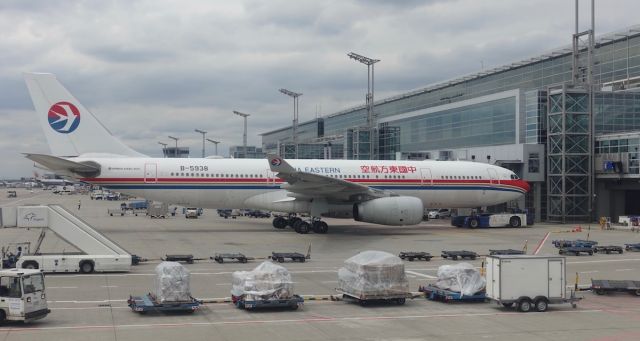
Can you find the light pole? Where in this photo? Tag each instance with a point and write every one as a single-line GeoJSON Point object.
{"type": "Point", "coordinates": [215, 143]}
{"type": "Point", "coordinates": [164, 148]}
{"type": "Point", "coordinates": [203, 134]}
{"type": "Point", "coordinates": [294, 127]}
{"type": "Point", "coordinates": [369, 62]}
{"type": "Point", "coordinates": [175, 152]}
{"type": "Point", "coordinates": [244, 135]}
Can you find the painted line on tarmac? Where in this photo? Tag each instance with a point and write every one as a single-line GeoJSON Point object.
{"type": "Point", "coordinates": [606, 261]}
{"type": "Point", "coordinates": [421, 275]}
{"type": "Point", "coordinates": [588, 272]}
{"type": "Point", "coordinates": [57, 276]}
{"type": "Point", "coordinates": [289, 321]}
{"type": "Point", "coordinates": [625, 269]}
{"type": "Point", "coordinates": [62, 287]}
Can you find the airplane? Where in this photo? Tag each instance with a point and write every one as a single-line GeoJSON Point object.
{"type": "Point", "coordinates": [47, 182]}
{"type": "Point", "coordinates": [387, 192]}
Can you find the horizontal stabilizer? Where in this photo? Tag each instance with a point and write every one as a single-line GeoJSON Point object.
{"type": "Point", "coordinates": [58, 164]}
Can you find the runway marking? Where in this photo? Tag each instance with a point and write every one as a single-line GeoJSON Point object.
{"type": "Point", "coordinates": [303, 320]}
{"type": "Point", "coordinates": [421, 275]}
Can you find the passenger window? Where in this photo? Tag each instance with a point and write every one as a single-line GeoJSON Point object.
{"type": "Point", "coordinates": [10, 287]}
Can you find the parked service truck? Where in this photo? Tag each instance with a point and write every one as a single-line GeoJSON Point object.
{"type": "Point", "coordinates": [22, 296]}
{"type": "Point", "coordinates": [529, 282]}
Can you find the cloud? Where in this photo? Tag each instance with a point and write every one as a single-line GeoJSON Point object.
{"type": "Point", "coordinates": [152, 68]}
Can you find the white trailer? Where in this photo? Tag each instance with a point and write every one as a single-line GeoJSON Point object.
{"type": "Point", "coordinates": [97, 252]}
{"type": "Point", "coordinates": [530, 282]}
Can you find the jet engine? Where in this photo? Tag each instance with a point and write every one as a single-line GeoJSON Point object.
{"type": "Point", "coordinates": [390, 211]}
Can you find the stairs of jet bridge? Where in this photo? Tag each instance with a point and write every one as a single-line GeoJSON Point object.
{"type": "Point", "coordinates": [80, 234]}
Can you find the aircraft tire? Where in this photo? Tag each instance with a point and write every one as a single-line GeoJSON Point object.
{"type": "Point", "coordinates": [279, 222]}
{"type": "Point", "coordinates": [303, 227]}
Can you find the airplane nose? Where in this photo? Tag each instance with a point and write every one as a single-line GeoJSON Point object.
{"type": "Point", "coordinates": [524, 185]}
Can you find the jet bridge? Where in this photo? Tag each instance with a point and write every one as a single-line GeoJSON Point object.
{"type": "Point", "coordinates": [97, 252]}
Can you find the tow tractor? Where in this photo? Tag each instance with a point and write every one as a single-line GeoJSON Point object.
{"type": "Point", "coordinates": [485, 220]}
{"type": "Point", "coordinates": [22, 295]}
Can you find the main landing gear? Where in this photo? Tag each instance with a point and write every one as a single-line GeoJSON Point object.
{"type": "Point", "coordinates": [301, 226]}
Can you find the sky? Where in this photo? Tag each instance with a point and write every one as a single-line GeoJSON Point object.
{"type": "Point", "coordinates": [152, 68]}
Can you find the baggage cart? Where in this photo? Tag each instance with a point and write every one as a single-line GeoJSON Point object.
{"type": "Point", "coordinates": [294, 302]}
{"type": "Point", "coordinates": [364, 299]}
{"type": "Point", "coordinates": [220, 257]}
{"type": "Point", "coordinates": [506, 252]}
{"type": "Point", "coordinates": [179, 258]}
{"type": "Point", "coordinates": [148, 303]}
{"type": "Point", "coordinates": [280, 257]}
{"type": "Point", "coordinates": [575, 250]}
{"type": "Point", "coordinates": [605, 286]}
{"type": "Point", "coordinates": [410, 256]}
{"type": "Point", "coordinates": [574, 243]}
{"type": "Point", "coordinates": [462, 254]}
{"type": "Point", "coordinates": [608, 249]}
{"type": "Point", "coordinates": [434, 293]}
{"type": "Point", "coordinates": [632, 247]}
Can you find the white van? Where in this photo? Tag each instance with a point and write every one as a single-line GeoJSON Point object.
{"type": "Point", "coordinates": [22, 295]}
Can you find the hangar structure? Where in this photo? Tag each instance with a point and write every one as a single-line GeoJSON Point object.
{"type": "Point", "coordinates": [567, 121]}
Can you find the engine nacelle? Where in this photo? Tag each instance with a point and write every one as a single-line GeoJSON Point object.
{"type": "Point", "coordinates": [390, 211]}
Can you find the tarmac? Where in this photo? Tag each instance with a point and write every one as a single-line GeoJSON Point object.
{"type": "Point", "coordinates": [93, 306]}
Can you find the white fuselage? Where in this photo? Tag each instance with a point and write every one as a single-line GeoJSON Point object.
{"type": "Point", "coordinates": [249, 183]}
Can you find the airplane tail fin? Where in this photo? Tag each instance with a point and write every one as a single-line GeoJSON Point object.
{"type": "Point", "coordinates": [70, 129]}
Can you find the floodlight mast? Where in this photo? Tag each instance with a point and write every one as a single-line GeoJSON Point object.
{"type": "Point", "coordinates": [215, 143]}
{"type": "Point", "coordinates": [164, 148]}
{"type": "Point", "coordinates": [175, 152]}
{"type": "Point", "coordinates": [203, 134]}
{"type": "Point", "coordinates": [369, 62]}
{"type": "Point", "coordinates": [244, 136]}
{"type": "Point", "coordinates": [294, 126]}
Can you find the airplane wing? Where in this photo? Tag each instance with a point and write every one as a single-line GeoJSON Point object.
{"type": "Point", "coordinates": [316, 185]}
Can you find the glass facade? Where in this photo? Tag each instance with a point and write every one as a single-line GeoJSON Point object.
{"type": "Point", "coordinates": [535, 117]}
{"type": "Point", "coordinates": [618, 155]}
{"type": "Point", "coordinates": [483, 124]}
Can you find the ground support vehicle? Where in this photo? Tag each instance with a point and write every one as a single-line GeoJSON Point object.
{"type": "Point", "coordinates": [158, 210]}
{"type": "Point", "coordinates": [486, 220]}
{"type": "Point", "coordinates": [574, 243]}
{"type": "Point", "coordinates": [463, 254]}
{"type": "Point", "coordinates": [394, 298]}
{"type": "Point", "coordinates": [506, 252]}
{"type": "Point", "coordinates": [179, 258]}
{"type": "Point", "coordinates": [22, 295]}
{"type": "Point", "coordinates": [529, 282]}
{"type": "Point", "coordinates": [608, 249]}
{"type": "Point", "coordinates": [12, 194]}
{"type": "Point", "coordinates": [434, 293]}
{"type": "Point", "coordinates": [410, 256]}
{"type": "Point", "coordinates": [604, 286]}
{"type": "Point", "coordinates": [122, 212]}
{"type": "Point", "coordinates": [97, 252]}
{"type": "Point", "coordinates": [632, 247]}
{"type": "Point", "coordinates": [575, 250]}
{"type": "Point", "coordinates": [220, 257]}
{"type": "Point", "coordinates": [280, 257]}
{"type": "Point", "coordinates": [293, 302]}
{"type": "Point", "coordinates": [258, 214]}
{"type": "Point", "coordinates": [147, 303]}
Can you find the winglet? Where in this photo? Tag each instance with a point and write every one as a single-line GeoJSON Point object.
{"type": "Point", "coordinates": [279, 165]}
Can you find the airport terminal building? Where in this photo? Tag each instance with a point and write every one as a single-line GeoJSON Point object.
{"type": "Point", "coordinates": [532, 116]}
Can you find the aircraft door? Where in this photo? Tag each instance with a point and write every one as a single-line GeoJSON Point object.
{"type": "Point", "coordinates": [493, 176]}
{"type": "Point", "coordinates": [427, 178]}
{"type": "Point", "coordinates": [271, 178]}
{"type": "Point", "coordinates": [150, 173]}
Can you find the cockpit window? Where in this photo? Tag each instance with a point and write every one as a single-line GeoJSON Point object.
{"type": "Point", "coordinates": [514, 177]}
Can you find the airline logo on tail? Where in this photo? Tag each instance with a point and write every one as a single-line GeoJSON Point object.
{"type": "Point", "coordinates": [64, 117]}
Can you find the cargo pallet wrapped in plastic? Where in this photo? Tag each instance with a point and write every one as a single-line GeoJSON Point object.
{"type": "Point", "coordinates": [267, 281]}
{"type": "Point", "coordinates": [172, 283]}
{"type": "Point", "coordinates": [462, 278]}
{"type": "Point", "coordinates": [374, 275]}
